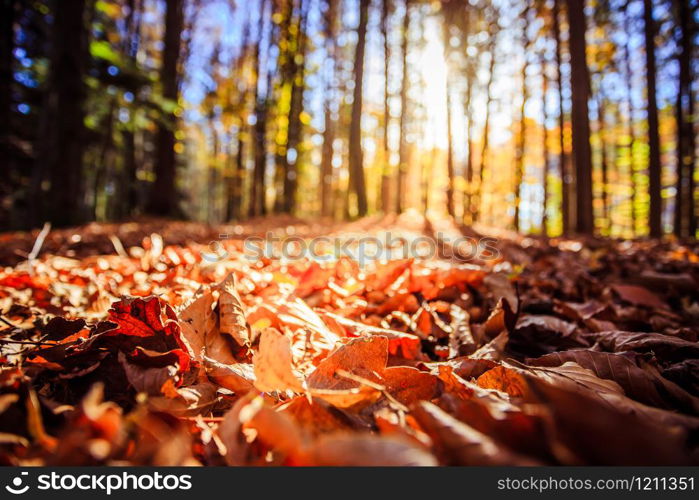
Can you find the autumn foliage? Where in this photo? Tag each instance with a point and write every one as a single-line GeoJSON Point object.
{"type": "Point", "coordinates": [560, 352]}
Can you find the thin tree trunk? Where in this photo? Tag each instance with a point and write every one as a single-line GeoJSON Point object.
{"type": "Point", "coordinates": [620, 147]}
{"type": "Point", "coordinates": [7, 43]}
{"type": "Point", "coordinates": [520, 146]}
{"type": "Point", "coordinates": [685, 217]}
{"type": "Point", "coordinates": [486, 130]}
{"type": "Point", "coordinates": [236, 164]}
{"type": "Point", "coordinates": [295, 130]}
{"type": "Point", "coordinates": [468, 195]}
{"type": "Point", "coordinates": [562, 156]}
{"type": "Point", "coordinates": [163, 196]}
{"type": "Point", "coordinates": [632, 135]}
{"type": "Point", "coordinates": [99, 168]}
{"type": "Point", "coordinates": [545, 147]}
{"type": "Point", "coordinates": [356, 167]}
{"type": "Point", "coordinates": [385, 184]}
{"type": "Point", "coordinates": [450, 156]}
{"type": "Point", "coordinates": [580, 90]}
{"type": "Point", "coordinates": [602, 133]}
{"type": "Point", "coordinates": [328, 149]}
{"type": "Point", "coordinates": [403, 146]}
{"type": "Point", "coordinates": [64, 145]}
{"type": "Point", "coordinates": [258, 205]}
{"type": "Point", "coordinates": [235, 193]}
{"type": "Point", "coordinates": [214, 174]}
{"type": "Point", "coordinates": [655, 209]}
{"type": "Point", "coordinates": [450, 146]}
{"type": "Point", "coordinates": [284, 10]}
{"type": "Point", "coordinates": [130, 173]}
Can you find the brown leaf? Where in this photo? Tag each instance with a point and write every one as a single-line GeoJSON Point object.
{"type": "Point", "coordinates": [200, 329]}
{"type": "Point", "coordinates": [351, 450]}
{"type": "Point", "coordinates": [273, 364]}
{"type": "Point", "coordinates": [609, 434]}
{"type": "Point", "coordinates": [232, 313]}
{"type": "Point", "coordinates": [461, 444]}
{"type": "Point", "coordinates": [640, 296]}
{"type": "Point", "coordinates": [666, 347]}
{"type": "Point", "coordinates": [639, 380]}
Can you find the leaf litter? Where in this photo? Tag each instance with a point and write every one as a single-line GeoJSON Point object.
{"type": "Point", "coordinates": [123, 345]}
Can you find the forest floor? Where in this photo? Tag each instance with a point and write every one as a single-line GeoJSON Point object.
{"type": "Point", "coordinates": [173, 343]}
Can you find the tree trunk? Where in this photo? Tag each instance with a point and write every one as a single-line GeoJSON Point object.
{"type": "Point", "coordinates": [163, 195]}
{"type": "Point", "coordinates": [580, 91]}
{"type": "Point", "coordinates": [258, 205]}
{"type": "Point", "coordinates": [602, 133]}
{"type": "Point", "coordinates": [356, 167]}
{"type": "Point", "coordinates": [655, 209]}
{"type": "Point", "coordinates": [235, 164]}
{"type": "Point", "coordinates": [685, 217]}
{"type": "Point", "coordinates": [632, 135]}
{"type": "Point", "coordinates": [486, 128]}
{"type": "Point", "coordinates": [130, 181]}
{"type": "Point", "coordinates": [520, 146]}
{"type": "Point", "coordinates": [403, 146]}
{"type": "Point", "coordinates": [284, 11]}
{"type": "Point", "coordinates": [295, 129]}
{"type": "Point", "coordinates": [562, 156]}
{"type": "Point", "coordinates": [235, 190]}
{"type": "Point", "coordinates": [468, 201]}
{"type": "Point", "coordinates": [450, 146]}
{"type": "Point", "coordinates": [214, 173]}
{"type": "Point", "coordinates": [385, 187]}
{"type": "Point", "coordinates": [7, 43]}
{"type": "Point", "coordinates": [64, 147]}
{"type": "Point", "coordinates": [545, 148]}
{"type": "Point", "coordinates": [328, 149]}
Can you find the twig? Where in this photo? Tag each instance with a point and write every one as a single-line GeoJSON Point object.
{"type": "Point", "coordinates": [378, 387]}
{"type": "Point", "coordinates": [7, 322]}
{"type": "Point", "coordinates": [118, 246]}
{"type": "Point", "coordinates": [37, 245]}
{"type": "Point", "coordinates": [26, 342]}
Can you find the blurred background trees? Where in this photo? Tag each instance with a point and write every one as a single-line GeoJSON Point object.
{"type": "Point", "coordinates": [546, 116]}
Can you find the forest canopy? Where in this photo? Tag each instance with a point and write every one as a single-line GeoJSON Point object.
{"type": "Point", "coordinates": [545, 116]}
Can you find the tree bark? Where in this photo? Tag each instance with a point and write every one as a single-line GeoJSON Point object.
{"type": "Point", "coordinates": [295, 129]}
{"type": "Point", "coordinates": [450, 146]}
{"type": "Point", "coordinates": [482, 168]}
{"type": "Point", "coordinates": [163, 195]}
{"type": "Point", "coordinates": [403, 146]}
{"type": "Point", "coordinates": [655, 209]}
{"type": "Point", "coordinates": [602, 133]}
{"type": "Point", "coordinates": [356, 167]}
{"type": "Point", "coordinates": [64, 147]}
{"type": "Point", "coordinates": [328, 149]}
{"type": "Point", "coordinates": [258, 205]}
{"type": "Point", "coordinates": [685, 218]}
{"type": "Point", "coordinates": [545, 147]}
{"type": "Point", "coordinates": [580, 90]}
{"type": "Point", "coordinates": [7, 43]}
{"type": "Point", "coordinates": [520, 146]}
{"type": "Point", "coordinates": [562, 156]}
{"type": "Point", "coordinates": [130, 47]}
{"type": "Point", "coordinates": [385, 184]}
{"type": "Point", "coordinates": [632, 135]}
